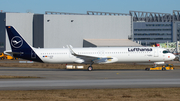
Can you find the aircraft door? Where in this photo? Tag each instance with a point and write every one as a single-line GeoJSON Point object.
{"type": "Point", "coordinates": [156, 53]}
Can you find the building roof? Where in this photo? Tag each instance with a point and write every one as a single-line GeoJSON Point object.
{"type": "Point", "coordinates": [109, 43]}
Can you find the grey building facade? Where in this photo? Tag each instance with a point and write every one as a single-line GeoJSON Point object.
{"type": "Point", "coordinates": [176, 25]}
{"type": "Point", "coordinates": [149, 33]}
{"type": "Point", "coordinates": [55, 30]}
{"type": "Point", "coordinates": [150, 27]}
{"type": "Point", "coordinates": [21, 21]}
{"type": "Point", "coordinates": [2, 32]}
{"type": "Point", "coordinates": [58, 30]}
{"type": "Point", "coordinates": [38, 30]}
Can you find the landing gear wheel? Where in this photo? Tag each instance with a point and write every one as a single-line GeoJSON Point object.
{"type": "Point", "coordinates": [163, 69]}
{"type": "Point", "coordinates": [90, 68]}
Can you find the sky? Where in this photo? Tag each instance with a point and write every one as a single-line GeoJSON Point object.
{"type": "Point", "coordinates": [82, 6]}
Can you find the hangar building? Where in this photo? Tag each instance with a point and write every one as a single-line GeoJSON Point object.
{"type": "Point", "coordinates": [57, 29]}
{"type": "Point", "coordinates": [176, 25]}
{"type": "Point", "coordinates": [150, 27]}
{"type": "Point", "coordinates": [21, 21]}
{"type": "Point", "coordinates": [61, 29]}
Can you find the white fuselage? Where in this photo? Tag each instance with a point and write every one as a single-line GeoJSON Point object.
{"type": "Point", "coordinates": [116, 54]}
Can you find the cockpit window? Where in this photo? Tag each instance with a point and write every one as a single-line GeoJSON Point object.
{"type": "Point", "coordinates": [166, 51]}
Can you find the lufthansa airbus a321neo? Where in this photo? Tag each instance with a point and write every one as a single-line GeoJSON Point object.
{"type": "Point", "coordinates": [21, 49]}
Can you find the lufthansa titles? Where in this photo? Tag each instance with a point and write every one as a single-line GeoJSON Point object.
{"type": "Point", "coordinates": [139, 49]}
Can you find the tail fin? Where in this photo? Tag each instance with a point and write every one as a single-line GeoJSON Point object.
{"type": "Point", "coordinates": [18, 44]}
{"type": "Point", "coordinates": [20, 48]}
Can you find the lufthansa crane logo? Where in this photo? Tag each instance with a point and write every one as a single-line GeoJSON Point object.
{"type": "Point", "coordinates": [16, 42]}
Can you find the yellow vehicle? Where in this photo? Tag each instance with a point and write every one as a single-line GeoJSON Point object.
{"type": "Point", "coordinates": [2, 56]}
{"type": "Point", "coordinates": [167, 67]}
{"type": "Point", "coordinates": [10, 57]}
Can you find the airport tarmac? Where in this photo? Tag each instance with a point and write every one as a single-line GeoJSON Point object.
{"type": "Point", "coordinates": [82, 79]}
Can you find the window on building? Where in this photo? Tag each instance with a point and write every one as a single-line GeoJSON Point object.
{"type": "Point", "coordinates": [1, 44]}
{"type": "Point", "coordinates": [154, 25]}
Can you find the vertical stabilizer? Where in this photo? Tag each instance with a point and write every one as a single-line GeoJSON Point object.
{"type": "Point", "coordinates": [19, 45]}
{"type": "Point", "coordinates": [16, 41]}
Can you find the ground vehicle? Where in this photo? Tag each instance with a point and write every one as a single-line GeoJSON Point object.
{"type": "Point", "coordinates": [10, 57]}
{"type": "Point", "coordinates": [169, 67]}
{"type": "Point", "coordinates": [166, 67]}
{"type": "Point", "coordinates": [4, 56]}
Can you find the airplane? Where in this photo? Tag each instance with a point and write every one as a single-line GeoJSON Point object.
{"type": "Point", "coordinates": [21, 49]}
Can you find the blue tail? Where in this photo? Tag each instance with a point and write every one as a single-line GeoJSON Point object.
{"type": "Point", "coordinates": [20, 48]}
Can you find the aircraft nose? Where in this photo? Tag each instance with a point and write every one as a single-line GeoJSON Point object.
{"type": "Point", "coordinates": [173, 56]}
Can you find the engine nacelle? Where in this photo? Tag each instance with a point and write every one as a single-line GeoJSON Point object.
{"type": "Point", "coordinates": [106, 60]}
{"type": "Point", "coordinates": [79, 61]}
{"type": "Point", "coordinates": [158, 63]}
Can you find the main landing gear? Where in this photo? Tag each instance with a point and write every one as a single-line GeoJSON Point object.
{"type": "Point", "coordinates": [90, 68]}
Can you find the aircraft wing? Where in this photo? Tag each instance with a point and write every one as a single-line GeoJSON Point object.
{"type": "Point", "coordinates": [89, 57]}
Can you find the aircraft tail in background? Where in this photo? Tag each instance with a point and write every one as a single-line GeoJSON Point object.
{"type": "Point", "coordinates": [20, 48]}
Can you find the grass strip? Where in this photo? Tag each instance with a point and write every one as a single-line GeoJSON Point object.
{"type": "Point", "coordinates": [132, 94]}
{"type": "Point", "coordinates": [15, 77]}
{"type": "Point", "coordinates": [63, 66]}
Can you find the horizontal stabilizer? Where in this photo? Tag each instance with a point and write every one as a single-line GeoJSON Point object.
{"type": "Point", "coordinates": [9, 52]}
{"type": "Point", "coordinates": [14, 52]}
